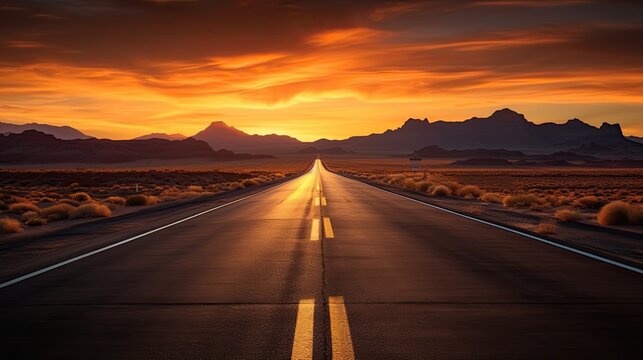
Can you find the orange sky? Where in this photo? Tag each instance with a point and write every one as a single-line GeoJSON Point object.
{"type": "Point", "coordinates": [121, 69]}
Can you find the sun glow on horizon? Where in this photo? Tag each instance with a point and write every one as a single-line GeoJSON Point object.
{"type": "Point", "coordinates": [334, 81]}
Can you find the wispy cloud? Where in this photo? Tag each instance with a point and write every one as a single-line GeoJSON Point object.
{"type": "Point", "coordinates": [307, 69]}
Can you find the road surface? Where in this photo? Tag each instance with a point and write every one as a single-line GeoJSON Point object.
{"type": "Point", "coordinates": [326, 267]}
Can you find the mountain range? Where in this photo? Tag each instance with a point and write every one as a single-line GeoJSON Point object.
{"type": "Point", "coordinates": [164, 136]}
{"type": "Point", "coordinates": [61, 132]}
{"type": "Point", "coordinates": [32, 146]}
{"type": "Point", "coordinates": [504, 129]}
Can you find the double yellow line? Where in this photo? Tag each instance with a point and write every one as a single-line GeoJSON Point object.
{"type": "Point", "coordinates": [341, 341]}
{"type": "Point", "coordinates": [316, 228]}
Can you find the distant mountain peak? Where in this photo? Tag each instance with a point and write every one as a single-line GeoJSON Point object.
{"type": "Point", "coordinates": [221, 135]}
{"type": "Point", "coordinates": [220, 126]}
{"type": "Point", "coordinates": [411, 123]}
{"type": "Point", "coordinates": [610, 130]}
{"type": "Point", "coordinates": [507, 114]}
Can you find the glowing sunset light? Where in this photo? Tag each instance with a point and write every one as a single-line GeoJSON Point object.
{"type": "Point", "coordinates": [312, 70]}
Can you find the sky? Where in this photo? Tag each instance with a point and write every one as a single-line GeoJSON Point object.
{"type": "Point", "coordinates": [316, 69]}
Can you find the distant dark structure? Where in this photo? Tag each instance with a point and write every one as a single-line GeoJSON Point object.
{"type": "Point", "coordinates": [415, 163]}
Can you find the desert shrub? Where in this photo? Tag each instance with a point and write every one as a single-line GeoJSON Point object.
{"type": "Point", "coordinates": [56, 212]}
{"type": "Point", "coordinates": [235, 186]}
{"type": "Point", "coordinates": [136, 200]}
{"type": "Point", "coordinates": [195, 188]}
{"type": "Point", "coordinates": [423, 185]}
{"type": "Point", "coordinates": [249, 182]}
{"type": "Point", "coordinates": [520, 200]}
{"type": "Point", "coordinates": [116, 200]}
{"type": "Point", "coordinates": [395, 179]}
{"type": "Point", "coordinates": [491, 197]}
{"type": "Point", "coordinates": [440, 190]}
{"type": "Point", "coordinates": [172, 192]}
{"type": "Point", "coordinates": [546, 227]}
{"type": "Point", "coordinates": [36, 194]}
{"type": "Point", "coordinates": [153, 200]}
{"type": "Point", "coordinates": [469, 191]}
{"type": "Point", "coordinates": [80, 197]}
{"type": "Point", "coordinates": [589, 202]}
{"type": "Point", "coordinates": [32, 218]}
{"type": "Point", "coordinates": [620, 213]}
{"type": "Point", "coordinates": [46, 199]}
{"type": "Point", "coordinates": [74, 185]}
{"type": "Point", "coordinates": [454, 186]}
{"type": "Point", "coordinates": [23, 207]}
{"type": "Point", "coordinates": [409, 183]}
{"type": "Point", "coordinates": [568, 215]}
{"type": "Point", "coordinates": [190, 194]}
{"type": "Point", "coordinates": [8, 225]}
{"type": "Point", "coordinates": [90, 210]}
{"type": "Point", "coordinates": [71, 202]}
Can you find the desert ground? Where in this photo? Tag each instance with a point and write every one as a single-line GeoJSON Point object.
{"type": "Point", "coordinates": [593, 207]}
{"type": "Point", "coordinates": [604, 196]}
{"type": "Point", "coordinates": [34, 196]}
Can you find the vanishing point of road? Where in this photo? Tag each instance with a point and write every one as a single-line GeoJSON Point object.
{"type": "Point", "coordinates": [322, 267]}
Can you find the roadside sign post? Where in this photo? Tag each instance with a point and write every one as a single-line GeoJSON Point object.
{"type": "Point", "coordinates": [415, 164]}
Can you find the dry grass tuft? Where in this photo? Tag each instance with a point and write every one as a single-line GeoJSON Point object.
{"type": "Point", "coordinates": [8, 226]}
{"type": "Point", "coordinates": [116, 200]}
{"type": "Point", "coordinates": [440, 190]}
{"type": "Point", "coordinates": [423, 185]}
{"type": "Point", "coordinates": [469, 191]}
{"type": "Point", "coordinates": [152, 200]}
{"type": "Point", "coordinates": [249, 182]}
{"type": "Point", "coordinates": [32, 218]}
{"type": "Point", "coordinates": [491, 198]}
{"type": "Point", "coordinates": [620, 213]}
{"type": "Point", "coordinates": [409, 184]}
{"type": "Point", "coordinates": [568, 215]}
{"type": "Point", "coordinates": [71, 202]}
{"type": "Point", "coordinates": [90, 210]}
{"type": "Point", "coordinates": [546, 227]}
{"type": "Point", "coordinates": [395, 179]}
{"type": "Point", "coordinates": [22, 207]}
{"type": "Point", "coordinates": [136, 200]}
{"type": "Point", "coordinates": [80, 197]}
{"type": "Point", "coordinates": [195, 188]}
{"type": "Point", "coordinates": [589, 202]}
{"type": "Point", "coordinates": [520, 200]}
{"type": "Point", "coordinates": [235, 186]}
{"type": "Point", "coordinates": [57, 212]}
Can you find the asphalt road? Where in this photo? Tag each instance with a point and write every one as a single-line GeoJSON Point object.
{"type": "Point", "coordinates": [326, 267]}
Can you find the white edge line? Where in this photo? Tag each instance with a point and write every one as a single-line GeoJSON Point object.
{"type": "Point", "coordinates": [94, 252]}
{"type": "Point", "coordinates": [561, 246]}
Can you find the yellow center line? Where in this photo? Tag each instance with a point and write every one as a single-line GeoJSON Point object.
{"type": "Point", "coordinates": [314, 232]}
{"type": "Point", "coordinates": [316, 201]}
{"type": "Point", "coordinates": [323, 201]}
{"type": "Point", "coordinates": [341, 342]}
{"type": "Point", "coordinates": [302, 347]}
{"type": "Point", "coordinates": [328, 229]}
